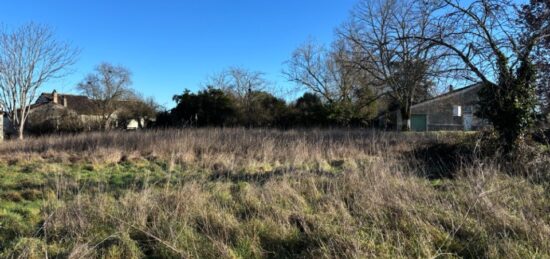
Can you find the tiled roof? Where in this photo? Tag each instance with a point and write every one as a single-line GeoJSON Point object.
{"type": "Point", "coordinates": [78, 103]}
{"type": "Point", "coordinates": [460, 90]}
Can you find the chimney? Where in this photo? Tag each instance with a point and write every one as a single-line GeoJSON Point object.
{"type": "Point", "coordinates": [451, 88]}
{"type": "Point", "coordinates": [65, 101]}
{"type": "Point", "coordinates": [55, 97]}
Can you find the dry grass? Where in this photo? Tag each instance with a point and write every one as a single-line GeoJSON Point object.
{"type": "Point", "coordinates": [236, 193]}
{"type": "Point", "coordinates": [204, 145]}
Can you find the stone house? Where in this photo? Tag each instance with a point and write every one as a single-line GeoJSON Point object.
{"type": "Point", "coordinates": [84, 109]}
{"type": "Point", "coordinates": [54, 111]}
{"type": "Point", "coordinates": [51, 106]}
{"type": "Point", "coordinates": [454, 110]}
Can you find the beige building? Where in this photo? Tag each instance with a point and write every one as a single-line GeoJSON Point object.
{"type": "Point", "coordinates": [455, 110]}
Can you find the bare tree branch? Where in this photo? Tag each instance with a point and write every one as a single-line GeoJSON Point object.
{"type": "Point", "coordinates": [107, 87]}
{"type": "Point", "coordinates": [381, 38]}
{"type": "Point", "coordinates": [29, 57]}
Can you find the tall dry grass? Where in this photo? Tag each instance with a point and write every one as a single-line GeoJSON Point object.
{"type": "Point", "coordinates": [213, 145]}
{"type": "Point", "coordinates": [240, 193]}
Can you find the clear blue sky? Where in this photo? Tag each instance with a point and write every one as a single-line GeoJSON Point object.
{"type": "Point", "coordinates": [173, 45]}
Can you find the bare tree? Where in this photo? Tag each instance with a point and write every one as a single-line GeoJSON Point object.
{"type": "Point", "coordinates": [138, 108]}
{"type": "Point", "coordinates": [534, 16]}
{"type": "Point", "coordinates": [29, 57]}
{"type": "Point", "coordinates": [316, 68]}
{"type": "Point", "coordinates": [107, 87]}
{"type": "Point", "coordinates": [327, 74]}
{"type": "Point", "coordinates": [485, 36]}
{"type": "Point", "coordinates": [400, 66]}
{"type": "Point", "coordinates": [238, 81]}
{"type": "Point", "coordinates": [243, 84]}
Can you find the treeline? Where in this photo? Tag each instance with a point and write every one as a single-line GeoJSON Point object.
{"type": "Point", "coordinates": [219, 108]}
{"type": "Point", "coordinates": [240, 97]}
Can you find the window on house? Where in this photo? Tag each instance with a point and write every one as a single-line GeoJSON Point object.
{"type": "Point", "coordinates": [457, 110]}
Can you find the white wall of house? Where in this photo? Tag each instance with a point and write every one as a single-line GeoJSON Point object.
{"type": "Point", "coordinates": [134, 124]}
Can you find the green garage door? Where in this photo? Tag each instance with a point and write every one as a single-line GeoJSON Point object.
{"type": "Point", "coordinates": [419, 122]}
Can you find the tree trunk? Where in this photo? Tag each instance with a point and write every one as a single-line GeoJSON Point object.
{"type": "Point", "coordinates": [405, 119]}
{"type": "Point", "coordinates": [20, 131]}
{"type": "Point", "coordinates": [106, 124]}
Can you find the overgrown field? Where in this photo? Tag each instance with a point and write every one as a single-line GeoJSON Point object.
{"type": "Point", "coordinates": [235, 193]}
